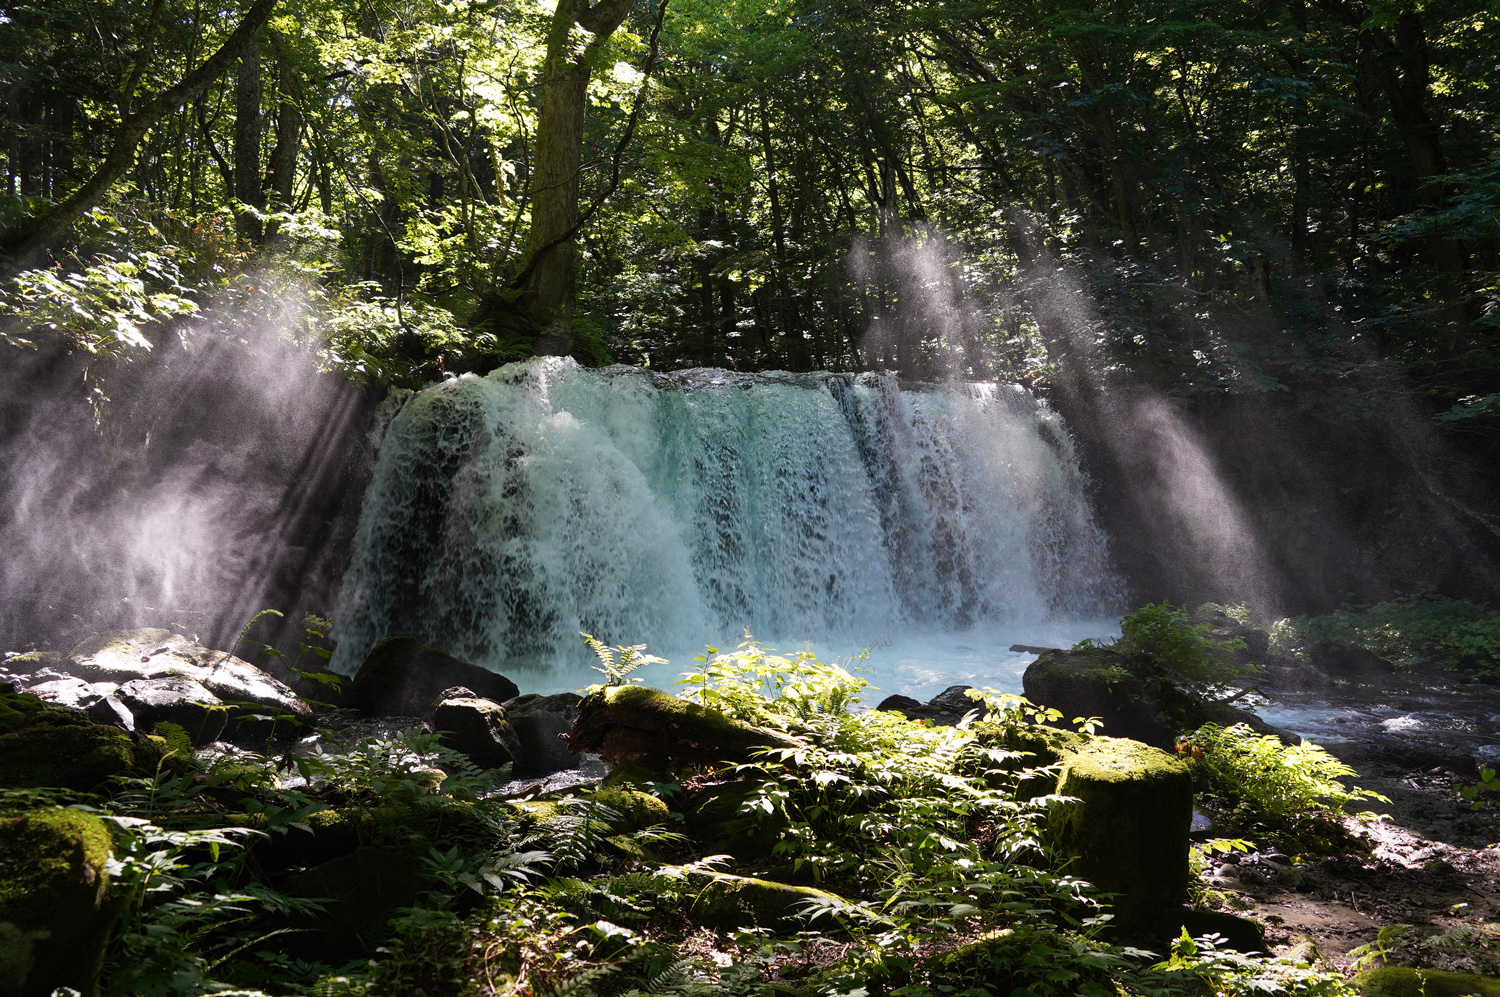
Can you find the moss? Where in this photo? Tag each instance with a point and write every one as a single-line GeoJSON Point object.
{"type": "Point", "coordinates": [634, 774]}
{"type": "Point", "coordinates": [1126, 830]}
{"type": "Point", "coordinates": [77, 755]}
{"type": "Point", "coordinates": [17, 709]}
{"type": "Point", "coordinates": [44, 850]}
{"type": "Point", "coordinates": [54, 914]}
{"type": "Point", "coordinates": [729, 902]}
{"type": "Point", "coordinates": [637, 810]}
{"type": "Point", "coordinates": [624, 723]}
{"type": "Point", "coordinates": [1405, 981]}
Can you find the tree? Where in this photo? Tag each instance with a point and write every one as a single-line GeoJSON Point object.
{"type": "Point", "coordinates": [27, 244]}
{"type": "Point", "coordinates": [562, 99]}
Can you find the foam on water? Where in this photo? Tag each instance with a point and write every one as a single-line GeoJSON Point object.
{"type": "Point", "coordinates": [508, 513]}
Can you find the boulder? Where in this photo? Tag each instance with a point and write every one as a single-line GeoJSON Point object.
{"type": "Point", "coordinates": [476, 728]}
{"type": "Point", "coordinates": [46, 745]}
{"type": "Point", "coordinates": [360, 891]}
{"type": "Point", "coordinates": [630, 722]}
{"type": "Point", "coordinates": [539, 722]}
{"type": "Point", "coordinates": [1099, 682]}
{"type": "Point", "coordinates": [175, 700]}
{"type": "Point", "coordinates": [728, 903]}
{"type": "Point", "coordinates": [1126, 828]}
{"type": "Point", "coordinates": [126, 655]}
{"type": "Point", "coordinates": [56, 913]}
{"type": "Point", "coordinates": [71, 691]}
{"type": "Point", "coordinates": [1407, 981]}
{"type": "Point", "coordinates": [638, 810]}
{"type": "Point", "coordinates": [401, 676]}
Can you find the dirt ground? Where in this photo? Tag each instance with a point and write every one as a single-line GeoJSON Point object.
{"type": "Point", "coordinates": [1433, 866]}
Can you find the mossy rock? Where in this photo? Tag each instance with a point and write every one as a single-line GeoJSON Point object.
{"type": "Point", "coordinates": [1406, 981]}
{"type": "Point", "coordinates": [55, 910]}
{"type": "Point", "coordinates": [60, 746]}
{"type": "Point", "coordinates": [638, 810]}
{"type": "Point", "coordinates": [1126, 830]}
{"type": "Point", "coordinates": [716, 818]}
{"type": "Point", "coordinates": [731, 902]}
{"type": "Point", "coordinates": [17, 709]}
{"type": "Point", "coordinates": [631, 722]}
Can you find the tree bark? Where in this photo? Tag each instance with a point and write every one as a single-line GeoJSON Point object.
{"type": "Point", "coordinates": [26, 247]}
{"type": "Point", "coordinates": [562, 99]}
{"type": "Point", "coordinates": [247, 175]}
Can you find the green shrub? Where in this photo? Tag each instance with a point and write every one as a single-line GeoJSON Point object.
{"type": "Point", "coordinates": [1420, 630]}
{"type": "Point", "coordinates": [1169, 647]}
{"type": "Point", "coordinates": [1293, 795]}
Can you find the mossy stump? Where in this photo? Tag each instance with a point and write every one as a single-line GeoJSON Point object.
{"type": "Point", "coordinates": [55, 910]}
{"type": "Point", "coordinates": [1126, 830]}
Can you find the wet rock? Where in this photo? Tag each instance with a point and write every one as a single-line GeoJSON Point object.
{"type": "Point", "coordinates": [539, 722]}
{"type": "Point", "coordinates": [124, 656]}
{"type": "Point", "coordinates": [110, 710]}
{"type": "Point", "coordinates": [899, 704]}
{"type": "Point", "coordinates": [477, 729]}
{"type": "Point", "coordinates": [1349, 662]}
{"type": "Point", "coordinates": [1487, 756]}
{"type": "Point", "coordinates": [69, 690]}
{"type": "Point", "coordinates": [56, 913]}
{"type": "Point", "coordinates": [174, 700]}
{"type": "Point", "coordinates": [403, 677]}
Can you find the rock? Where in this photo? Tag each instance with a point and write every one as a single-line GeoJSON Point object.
{"type": "Point", "coordinates": [110, 710]}
{"type": "Point", "coordinates": [72, 691]}
{"type": "Point", "coordinates": [716, 817]}
{"type": "Point", "coordinates": [403, 677]}
{"type": "Point", "coordinates": [538, 721]}
{"type": "Point", "coordinates": [638, 810]}
{"type": "Point", "coordinates": [361, 891]}
{"type": "Point", "coordinates": [1406, 981]}
{"type": "Point", "coordinates": [953, 700]}
{"type": "Point", "coordinates": [56, 914]}
{"type": "Point", "coordinates": [731, 902]}
{"type": "Point", "coordinates": [1487, 756]}
{"type": "Point", "coordinates": [1241, 933]}
{"type": "Point", "coordinates": [174, 700]}
{"type": "Point", "coordinates": [46, 745]}
{"type": "Point", "coordinates": [126, 655]}
{"type": "Point", "coordinates": [1200, 828]}
{"type": "Point", "coordinates": [1127, 829]}
{"type": "Point", "coordinates": [898, 704]}
{"type": "Point", "coordinates": [1098, 682]}
{"type": "Point", "coordinates": [624, 723]}
{"type": "Point", "coordinates": [477, 729]}
{"type": "Point", "coordinates": [1341, 659]}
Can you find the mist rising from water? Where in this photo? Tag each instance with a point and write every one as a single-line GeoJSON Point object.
{"type": "Point", "coordinates": [188, 507]}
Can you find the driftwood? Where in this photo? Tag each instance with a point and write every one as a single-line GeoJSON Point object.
{"type": "Point", "coordinates": [626, 723]}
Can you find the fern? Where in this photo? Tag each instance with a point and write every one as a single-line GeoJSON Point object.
{"type": "Point", "coordinates": [616, 670]}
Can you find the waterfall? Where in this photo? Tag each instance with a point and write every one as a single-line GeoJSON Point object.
{"type": "Point", "coordinates": [507, 513]}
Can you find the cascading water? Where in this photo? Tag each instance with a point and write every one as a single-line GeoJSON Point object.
{"type": "Point", "coordinates": [508, 513]}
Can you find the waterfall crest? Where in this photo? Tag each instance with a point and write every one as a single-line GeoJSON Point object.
{"type": "Point", "coordinates": [509, 512]}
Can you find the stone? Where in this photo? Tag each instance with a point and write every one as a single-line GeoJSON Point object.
{"type": "Point", "coordinates": [1126, 830]}
{"type": "Point", "coordinates": [176, 700]}
{"type": "Point", "coordinates": [638, 810]}
{"type": "Point", "coordinates": [361, 892]}
{"type": "Point", "coordinates": [149, 653]}
{"type": "Point", "coordinates": [72, 691]}
{"type": "Point", "coordinates": [110, 710]}
{"type": "Point", "coordinates": [1407, 981]}
{"type": "Point", "coordinates": [731, 902]}
{"type": "Point", "coordinates": [629, 722]}
{"type": "Point", "coordinates": [402, 676]}
{"type": "Point", "coordinates": [1240, 933]}
{"type": "Point", "coordinates": [538, 722]}
{"type": "Point", "coordinates": [476, 728]}
{"type": "Point", "coordinates": [46, 745]}
{"type": "Point", "coordinates": [56, 913]}
{"type": "Point", "coordinates": [1487, 756]}
{"type": "Point", "coordinates": [898, 704]}
{"type": "Point", "coordinates": [1099, 682]}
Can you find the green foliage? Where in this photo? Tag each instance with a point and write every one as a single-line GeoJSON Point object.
{"type": "Point", "coordinates": [1170, 647]}
{"type": "Point", "coordinates": [1423, 630]}
{"type": "Point", "coordinates": [758, 686]}
{"type": "Point", "coordinates": [617, 663]}
{"type": "Point", "coordinates": [1294, 795]}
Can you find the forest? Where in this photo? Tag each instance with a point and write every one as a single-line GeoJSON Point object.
{"type": "Point", "coordinates": [1133, 365]}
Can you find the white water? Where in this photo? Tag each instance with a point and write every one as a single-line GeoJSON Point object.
{"type": "Point", "coordinates": [508, 513]}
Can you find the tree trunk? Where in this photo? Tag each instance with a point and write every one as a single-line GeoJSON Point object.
{"type": "Point", "coordinates": [562, 99]}
{"type": "Point", "coordinates": [247, 175]}
{"type": "Point", "coordinates": [26, 247]}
